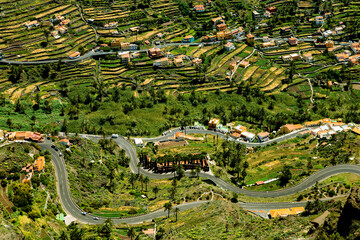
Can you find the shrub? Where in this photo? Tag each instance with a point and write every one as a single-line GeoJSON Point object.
{"type": "Point", "coordinates": [299, 198]}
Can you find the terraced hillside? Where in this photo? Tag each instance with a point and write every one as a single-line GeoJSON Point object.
{"type": "Point", "coordinates": [37, 42]}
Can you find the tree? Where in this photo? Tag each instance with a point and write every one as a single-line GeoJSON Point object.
{"type": "Point", "coordinates": [176, 213]}
{"type": "Point", "coordinates": [4, 183]}
{"type": "Point", "coordinates": [2, 174]}
{"type": "Point", "coordinates": [106, 228]}
{"type": "Point", "coordinates": [9, 123]}
{"type": "Point", "coordinates": [309, 165]}
{"type": "Point", "coordinates": [155, 190]}
{"type": "Point", "coordinates": [131, 233]}
{"type": "Point", "coordinates": [168, 207]}
{"type": "Point", "coordinates": [285, 176]}
{"type": "Point", "coordinates": [64, 236]}
{"type": "Point", "coordinates": [22, 197]}
{"type": "Point", "coordinates": [146, 181]}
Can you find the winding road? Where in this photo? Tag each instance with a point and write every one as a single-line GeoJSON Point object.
{"type": "Point", "coordinates": [73, 209]}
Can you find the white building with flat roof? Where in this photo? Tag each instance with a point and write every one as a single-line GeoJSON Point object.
{"type": "Point", "coordinates": [138, 142]}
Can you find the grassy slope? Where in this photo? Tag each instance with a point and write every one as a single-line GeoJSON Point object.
{"type": "Point", "coordinates": [225, 220]}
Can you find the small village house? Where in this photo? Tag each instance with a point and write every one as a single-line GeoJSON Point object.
{"type": "Point", "coordinates": [256, 15]}
{"type": "Point", "coordinates": [291, 57]}
{"type": "Point", "coordinates": [209, 38]}
{"type": "Point", "coordinates": [342, 57]}
{"type": "Point", "coordinates": [188, 39]}
{"type": "Point", "coordinates": [271, 9]}
{"type": "Point", "coordinates": [229, 46]}
{"type": "Point", "coordinates": [319, 20]}
{"type": "Point", "coordinates": [240, 129]}
{"type": "Point", "coordinates": [213, 123]}
{"type": "Point", "coordinates": [125, 58]}
{"type": "Point", "coordinates": [220, 35]}
{"type": "Point", "coordinates": [163, 62]}
{"type": "Point", "coordinates": [355, 47]}
{"type": "Point", "coordinates": [308, 57]}
{"type": "Point", "coordinates": [199, 8]}
{"type": "Point", "coordinates": [250, 38]}
{"type": "Point", "coordinates": [178, 62]}
{"type": "Point", "coordinates": [292, 41]}
{"type": "Point", "coordinates": [248, 136]}
{"type": "Point", "coordinates": [288, 128]}
{"type": "Point", "coordinates": [74, 55]}
{"type": "Point", "coordinates": [138, 142]}
{"type": "Point", "coordinates": [115, 43]}
{"type": "Point", "coordinates": [232, 66]}
{"type": "Point", "coordinates": [267, 14]}
{"type": "Point", "coordinates": [263, 136]}
{"type": "Point", "coordinates": [65, 142]}
{"type": "Point", "coordinates": [155, 53]}
{"type": "Point", "coordinates": [217, 20]}
{"type": "Point", "coordinates": [221, 26]}
{"type": "Point", "coordinates": [125, 46]}
{"type": "Point", "coordinates": [197, 61]}
{"type": "Point", "coordinates": [31, 24]}
{"type": "Point", "coordinates": [39, 164]}
{"type": "Point", "coordinates": [268, 44]}
{"type": "Point", "coordinates": [285, 30]}
{"type": "Point", "coordinates": [329, 44]}
{"type": "Point", "coordinates": [244, 63]}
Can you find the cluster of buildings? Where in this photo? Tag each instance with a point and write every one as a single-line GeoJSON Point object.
{"type": "Point", "coordinates": [239, 132]}
{"type": "Point", "coordinates": [266, 14]}
{"type": "Point", "coordinates": [223, 31]}
{"type": "Point", "coordinates": [25, 136]}
{"type": "Point", "coordinates": [31, 24]}
{"type": "Point", "coordinates": [124, 46]}
{"type": "Point", "coordinates": [327, 127]}
{"type": "Point", "coordinates": [193, 161]}
{"type": "Point", "coordinates": [350, 57]}
{"type": "Point", "coordinates": [276, 213]}
{"type": "Point", "coordinates": [110, 25]}
{"type": "Point", "coordinates": [61, 27]}
{"type": "Point", "coordinates": [29, 170]}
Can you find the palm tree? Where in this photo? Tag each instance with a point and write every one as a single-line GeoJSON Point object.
{"type": "Point", "coordinates": [198, 170]}
{"type": "Point", "coordinates": [155, 190]}
{"type": "Point", "coordinates": [131, 233]}
{"type": "Point", "coordinates": [138, 166]}
{"type": "Point", "coordinates": [33, 118]}
{"type": "Point", "coordinates": [141, 179]}
{"type": "Point", "coordinates": [176, 213]}
{"type": "Point", "coordinates": [168, 207]}
{"type": "Point", "coordinates": [132, 179]}
{"type": "Point", "coordinates": [146, 181]}
{"type": "Point", "coordinates": [192, 173]}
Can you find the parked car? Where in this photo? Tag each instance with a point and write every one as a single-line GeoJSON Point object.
{"type": "Point", "coordinates": [60, 154]}
{"type": "Point", "coordinates": [52, 146]}
{"type": "Point", "coordinates": [56, 149]}
{"type": "Point", "coordinates": [114, 135]}
{"type": "Point", "coordinates": [83, 213]}
{"type": "Point", "coordinates": [95, 218]}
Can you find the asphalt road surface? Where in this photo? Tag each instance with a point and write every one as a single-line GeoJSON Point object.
{"type": "Point", "coordinates": [72, 208]}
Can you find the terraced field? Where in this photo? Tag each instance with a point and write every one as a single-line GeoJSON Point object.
{"type": "Point", "coordinates": [37, 43]}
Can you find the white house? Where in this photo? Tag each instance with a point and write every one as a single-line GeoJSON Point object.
{"type": "Point", "coordinates": [138, 142]}
{"type": "Point", "coordinates": [319, 20]}
{"type": "Point", "coordinates": [248, 136]}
